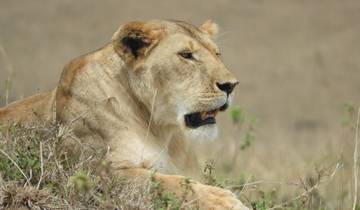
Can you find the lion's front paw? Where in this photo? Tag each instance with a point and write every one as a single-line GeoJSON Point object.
{"type": "Point", "coordinates": [214, 198]}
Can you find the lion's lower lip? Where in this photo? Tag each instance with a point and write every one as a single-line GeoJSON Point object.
{"type": "Point", "coordinates": [197, 119]}
{"type": "Point", "coordinates": [224, 107]}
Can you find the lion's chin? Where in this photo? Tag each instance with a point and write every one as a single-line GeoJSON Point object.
{"type": "Point", "coordinates": [205, 133]}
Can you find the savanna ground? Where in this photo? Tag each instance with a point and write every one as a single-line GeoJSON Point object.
{"type": "Point", "coordinates": [299, 71]}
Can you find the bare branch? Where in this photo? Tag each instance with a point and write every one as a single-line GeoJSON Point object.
{"type": "Point", "coordinates": [41, 166]}
{"type": "Point", "coordinates": [355, 167]}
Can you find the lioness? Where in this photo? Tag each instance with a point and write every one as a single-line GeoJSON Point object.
{"type": "Point", "coordinates": [155, 88]}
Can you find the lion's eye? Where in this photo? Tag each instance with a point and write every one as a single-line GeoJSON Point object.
{"type": "Point", "coordinates": [186, 55]}
{"type": "Point", "coordinates": [218, 54]}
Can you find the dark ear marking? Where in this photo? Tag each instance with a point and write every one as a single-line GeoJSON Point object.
{"type": "Point", "coordinates": [134, 42]}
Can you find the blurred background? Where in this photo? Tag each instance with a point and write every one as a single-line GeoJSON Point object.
{"type": "Point", "coordinates": [298, 63]}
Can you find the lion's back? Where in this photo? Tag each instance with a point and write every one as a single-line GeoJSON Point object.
{"type": "Point", "coordinates": [32, 109]}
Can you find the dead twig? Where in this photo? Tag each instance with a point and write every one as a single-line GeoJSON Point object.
{"type": "Point", "coordinates": [41, 166]}
{"type": "Point", "coordinates": [255, 183]}
{"type": "Point", "coordinates": [247, 183]}
{"type": "Point", "coordinates": [355, 167]}
{"type": "Point", "coordinates": [151, 114]}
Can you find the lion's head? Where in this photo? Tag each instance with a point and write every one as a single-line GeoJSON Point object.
{"type": "Point", "coordinates": [175, 70]}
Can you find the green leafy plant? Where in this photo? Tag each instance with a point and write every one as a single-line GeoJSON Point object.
{"type": "Point", "coordinates": [245, 126]}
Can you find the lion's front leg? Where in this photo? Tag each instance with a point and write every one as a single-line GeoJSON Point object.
{"type": "Point", "coordinates": [190, 193]}
{"type": "Point", "coordinates": [216, 198]}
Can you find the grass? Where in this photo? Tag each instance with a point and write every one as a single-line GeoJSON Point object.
{"type": "Point", "coordinates": [46, 167]}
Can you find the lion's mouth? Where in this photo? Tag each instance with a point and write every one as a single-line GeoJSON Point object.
{"type": "Point", "coordinates": [197, 119]}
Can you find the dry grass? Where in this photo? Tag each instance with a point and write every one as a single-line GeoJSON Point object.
{"type": "Point", "coordinates": [40, 171]}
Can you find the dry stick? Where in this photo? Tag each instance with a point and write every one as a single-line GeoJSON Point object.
{"type": "Point", "coordinates": [15, 164]}
{"type": "Point", "coordinates": [148, 128]}
{"type": "Point", "coordinates": [247, 184]}
{"type": "Point", "coordinates": [151, 114]}
{"type": "Point", "coordinates": [31, 176]}
{"type": "Point", "coordinates": [84, 161]}
{"type": "Point", "coordinates": [41, 166]}
{"type": "Point", "coordinates": [355, 160]}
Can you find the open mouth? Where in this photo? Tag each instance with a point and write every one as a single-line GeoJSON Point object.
{"type": "Point", "coordinates": [197, 119]}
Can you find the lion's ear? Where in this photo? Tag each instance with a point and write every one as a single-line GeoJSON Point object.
{"type": "Point", "coordinates": [133, 40]}
{"type": "Point", "coordinates": [210, 27]}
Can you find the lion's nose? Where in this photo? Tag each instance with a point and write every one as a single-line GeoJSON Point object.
{"type": "Point", "coordinates": [227, 87]}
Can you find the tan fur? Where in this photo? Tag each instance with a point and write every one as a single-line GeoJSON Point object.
{"type": "Point", "coordinates": [32, 109]}
{"type": "Point", "coordinates": [210, 27]}
{"type": "Point", "coordinates": [132, 98]}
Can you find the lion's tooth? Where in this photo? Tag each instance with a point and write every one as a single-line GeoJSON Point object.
{"type": "Point", "coordinates": [203, 115]}
{"type": "Point", "coordinates": [207, 114]}
{"type": "Point", "coordinates": [210, 114]}
{"type": "Point", "coordinates": [216, 112]}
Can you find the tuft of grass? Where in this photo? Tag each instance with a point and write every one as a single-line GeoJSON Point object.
{"type": "Point", "coordinates": [46, 167]}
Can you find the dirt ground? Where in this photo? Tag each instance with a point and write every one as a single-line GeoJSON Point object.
{"type": "Point", "coordinates": [298, 63]}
